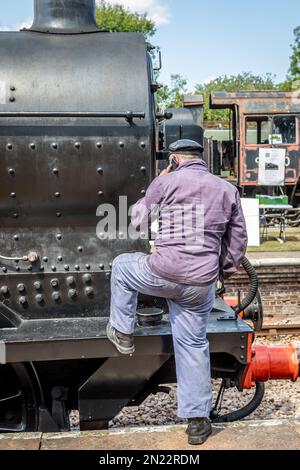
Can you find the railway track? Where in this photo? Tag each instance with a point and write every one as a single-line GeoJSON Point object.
{"type": "Point", "coordinates": [280, 330]}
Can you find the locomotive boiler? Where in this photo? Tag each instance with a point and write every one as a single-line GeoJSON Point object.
{"type": "Point", "coordinates": [78, 133]}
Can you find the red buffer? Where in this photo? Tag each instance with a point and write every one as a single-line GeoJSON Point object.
{"type": "Point", "coordinates": [272, 363]}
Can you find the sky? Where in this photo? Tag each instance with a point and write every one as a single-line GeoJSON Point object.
{"type": "Point", "coordinates": [203, 39]}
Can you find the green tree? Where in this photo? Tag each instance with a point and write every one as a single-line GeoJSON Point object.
{"type": "Point", "coordinates": [116, 18]}
{"type": "Point", "coordinates": [294, 71]}
{"type": "Point", "coordinates": [245, 81]}
{"type": "Point", "coordinates": [171, 96]}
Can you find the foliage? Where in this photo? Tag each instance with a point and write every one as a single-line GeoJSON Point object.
{"type": "Point", "coordinates": [171, 96]}
{"type": "Point", "coordinates": [116, 18]}
{"type": "Point", "coordinates": [245, 81]}
{"type": "Point", "coordinates": [294, 71]}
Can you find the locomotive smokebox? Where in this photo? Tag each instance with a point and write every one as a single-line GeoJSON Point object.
{"type": "Point", "coordinates": [64, 16]}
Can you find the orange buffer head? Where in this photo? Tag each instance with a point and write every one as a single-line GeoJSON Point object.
{"type": "Point", "coordinates": [272, 363]}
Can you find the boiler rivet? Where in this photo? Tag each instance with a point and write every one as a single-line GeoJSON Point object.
{"type": "Point", "coordinates": [11, 171]}
{"type": "Point", "coordinates": [59, 258]}
{"type": "Point", "coordinates": [72, 293]}
{"type": "Point", "coordinates": [54, 146]}
{"type": "Point", "coordinates": [37, 285]}
{"type": "Point", "coordinates": [54, 282]}
{"type": "Point", "coordinates": [12, 88]}
{"type": "Point", "coordinates": [16, 215]}
{"type": "Point", "coordinates": [77, 268]}
{"type": "Point", "coordinates": [88, 266]}
{"type": "Point", "coordinates": [58, 214]}
{"type": "Point", "coordinates": [99, 145]}
{"type": "Point", "coordinates": [39, 298]}
{"type": "Point", "coordinates": [70, 280]}
{"type": "Point", "coordinates": [80, 249]}
{"type": "Point", "coordinates": [9, 146]}
{"type": "Point", "coordinates": [53, 268]}
{"type": "Point", "coordinates": [21, 287]}
{"type": "Point", "coordinates": [16, 237]}
{"type": "Point", "coordinates": [59, 236]}
{"type": "Point", "coordinates": [143, 169]}
{"type": "Point", "coordinates": [4, 290]}
{"type": "Point", "coordinates": [42, 268]}
{"type": "Point", "coordinates": [143, 191]}
{"type": "Point", "coordinates": [67, 267]}
{"type": "Point", "coordinates": [57, 194]}
{"type": "Point", "coordinates": [12, 99]}
{"type": "Point", "coordinates": [56, 296]}
{"type": "Point", "coordinates": [100, 193]}
{"type": "Point", "coordinates": [100, 170]}
{"type": "Point", "coordinates": [32, 146]}
{"type": "Point", "coordinates": [89, 291]}
{"type": "Point", "coordinates": [121, 144]}
{"type": "Point", "coordinates": [18, 269]}
{"type": "Point", "coordinates": [143, 145]}
{"type": "Point", "coordinates": [55, 171]}
{"type": "Point", "coordinates": [242, 357]}
{"type": "Point", "coordinates": [45, 259]}
{"type": "Point", "coordinates": [4, 269]}
{"type": "Point", "coordinates": [101, 266]}
{"type": "Point", "coordinates": [77, 145]}
{"type": "Point", "coordinates": [87, 278]}
{"type": "Point", "coordinates": [13, 195]}
{"type": "Point", "coordinates": [23, 300]}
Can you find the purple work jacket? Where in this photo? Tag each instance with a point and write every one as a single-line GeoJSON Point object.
{"type": "Point", "coordinates": [202, 232]}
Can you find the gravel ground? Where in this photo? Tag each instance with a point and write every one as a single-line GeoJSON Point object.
{"type": "Point", "coordinates": [282, 400]}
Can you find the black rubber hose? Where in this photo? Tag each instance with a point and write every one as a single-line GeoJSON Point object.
{"type": "Point", "coordinates": [253, 287]}
{"type": "Point", "coordinates": [247, 410]}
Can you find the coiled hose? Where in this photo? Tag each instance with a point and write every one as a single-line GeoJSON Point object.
{"type": "Point", "coordinates": [253, 287]}
{"type": "Point", "coordinates": [247, 410]}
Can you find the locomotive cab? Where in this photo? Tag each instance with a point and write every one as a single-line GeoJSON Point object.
{"type": "Point", "coordinates": [265, 151]}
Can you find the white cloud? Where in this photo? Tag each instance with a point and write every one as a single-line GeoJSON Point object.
{"type": "Point", "coordinates": [156, 10]}
{"type": "Point", "coordinates": [209, 79]}
{"type": "Point", "coordinates": [17, 26]}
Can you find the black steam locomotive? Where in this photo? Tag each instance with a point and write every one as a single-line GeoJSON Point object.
{"type": "Point", "coordinates": [79, 129]}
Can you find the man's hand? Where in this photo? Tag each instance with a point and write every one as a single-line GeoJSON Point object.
{"type": "Point", "coordinates": [169, 168]}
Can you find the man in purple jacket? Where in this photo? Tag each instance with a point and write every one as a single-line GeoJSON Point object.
{"type": "Point", "coordinates": [201, 238]}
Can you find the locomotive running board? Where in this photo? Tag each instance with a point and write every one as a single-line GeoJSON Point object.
{"type": "Point", "coordinates": [85, 338]}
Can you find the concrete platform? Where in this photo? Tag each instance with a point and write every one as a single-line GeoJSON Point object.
{"type": "Point", "coordinates": [250, 435]}
{"type": "Point", "coordinates": [274, 258]}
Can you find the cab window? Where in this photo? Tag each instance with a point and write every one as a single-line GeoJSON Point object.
{"type": "Point", "coordinates": [257, 130]}
{"type": "Point", "coordinates": [285, 126]}
{"type": "Point", "coordinates": [273, 130]}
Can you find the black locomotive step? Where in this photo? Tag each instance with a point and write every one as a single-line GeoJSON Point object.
{"type": "Point", "coordinates": [86, 338]}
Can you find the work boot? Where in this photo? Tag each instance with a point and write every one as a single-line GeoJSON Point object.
{"type": "Point", "coordinates": [198, 431]}
{"type": "Point", "coordinates": [123, 343]}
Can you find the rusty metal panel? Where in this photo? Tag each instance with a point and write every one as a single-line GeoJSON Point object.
{"type": "Point", "coordinates": [262, 103]}
{"type": "Point", "coordinates": [258, 101]}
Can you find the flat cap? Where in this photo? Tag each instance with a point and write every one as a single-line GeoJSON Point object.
{"type": "Point", "coordinates": [186, 146]}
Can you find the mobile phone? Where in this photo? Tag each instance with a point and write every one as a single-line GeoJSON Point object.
{"type": "Point", "coordinates": [174, 164]}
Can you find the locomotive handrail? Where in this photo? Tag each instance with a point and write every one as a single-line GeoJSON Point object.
{"type": "Point", "coordinates": [128, 115]}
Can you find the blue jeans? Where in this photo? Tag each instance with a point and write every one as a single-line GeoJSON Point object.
{"type": "Point", "coordinates": [189, 310]}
